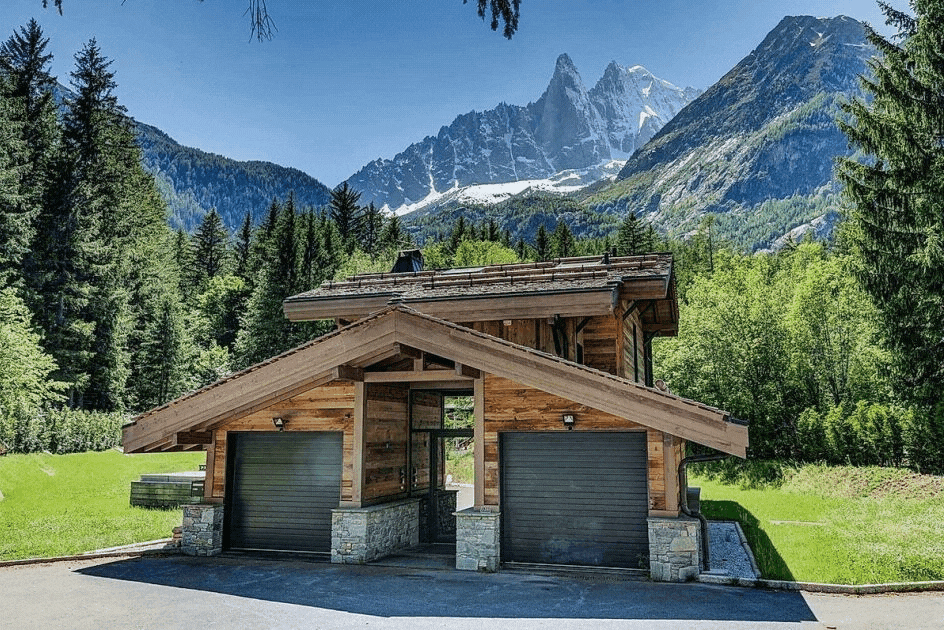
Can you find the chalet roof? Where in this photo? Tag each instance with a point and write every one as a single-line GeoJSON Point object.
{"type": "Point", "coordinates": [648, 275]}
{"type": "Point", "coordinates": [343, 354]}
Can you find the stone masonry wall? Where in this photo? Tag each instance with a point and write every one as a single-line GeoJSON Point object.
{"type": "Point", "coordinates": [360, 535]}
{"type": "Point", "coordinates": [478, 540]}
{"type": "Point", "coordinates": [674, 549]}
{"type": "Point", "coordinates": [201, 532]}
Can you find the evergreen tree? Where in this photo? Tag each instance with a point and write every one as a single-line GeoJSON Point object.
{"type": "Point", "coordinates": [542, 244]}
{"type": "Point", "coordinates": [460, 232]}
{"type": "Point", "coordinates": [241, 253]}
{"type": "Point", "coordinates": [372, 225]}
{"type": "Point", "coordinates": [521, 249]}
{"type": "Point", "coordinates": [631, 236]}
{"type": "Point", "coordinates": [896, 214]}
{"type": "Point", "coordinates": [394, 237]}
{"type": "Point", "coordinates": [265, 331]}
{"type": "Point", "coordinates": [346, 214]}
{"type": "Point", "coordinates": [563, 242]}
{"type": "Point", "coordinates": [31, 141]}
{"type": "Point", "coordinates": [210, 252]}
{"type": "Point", "coordinates": [897, 199]}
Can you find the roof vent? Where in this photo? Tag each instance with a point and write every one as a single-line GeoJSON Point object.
{"type": "Point", "coordinates": [408, 261]}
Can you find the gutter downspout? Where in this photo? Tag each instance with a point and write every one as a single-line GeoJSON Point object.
{"type": "Point", "coordinates": [683, 501]}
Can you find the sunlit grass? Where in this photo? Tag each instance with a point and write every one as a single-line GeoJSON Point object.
{"type": "Point", "coordinates": [55, 505]}
{"type": "Point", "coordinates": [840, 525]}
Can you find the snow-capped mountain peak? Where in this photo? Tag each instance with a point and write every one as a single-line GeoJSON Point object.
{"type": "Point", "coordinates": [569, 127]}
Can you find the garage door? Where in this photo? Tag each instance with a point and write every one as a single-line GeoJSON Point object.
{"type": "Point", "coordinates": [575, 498]}
{"type": "Point", "coordinates": [282, 488]}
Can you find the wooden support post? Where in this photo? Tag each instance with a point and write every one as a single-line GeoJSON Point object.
{"type": "Point", "coordinates": [478, 446]}
{"type": "Point", "coordinates": [671, 462]}
{"type": "Point", "coordinates": [360, 439]}
{"type": "Point", "coordinates": [210, 469]}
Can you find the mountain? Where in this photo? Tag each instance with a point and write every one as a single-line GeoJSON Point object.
{"type": "Point", "coordinates": [568, 127]}
{"type": "Point", "coordinates": [757, 148]}
{"type": "Point", "coordinates": [192, 181]}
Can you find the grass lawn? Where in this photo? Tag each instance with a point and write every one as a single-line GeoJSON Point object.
{"type": "Point", "coordinates": [840, 525]}
{"type": "Point", "coordinates": [53, 505]}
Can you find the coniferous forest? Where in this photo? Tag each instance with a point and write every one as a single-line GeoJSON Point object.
{"type": "Point", "coordinates": [831, 351]}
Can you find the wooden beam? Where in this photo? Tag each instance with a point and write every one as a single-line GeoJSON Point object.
{"type": "Point", "coordinates": [210, 469]}
{"type": "Point", "coordinates": [348, 373]}
{"type": "Point", "coordinates": [194, 437]}
{"type": "Point", "coordinates": [466, 371]}
{"type": "Point", "coordinates": [414, 377]}
{"type": "Point", "coordinates": [671, 463]}
{"type": "Point", "coordinates": [478, 442]}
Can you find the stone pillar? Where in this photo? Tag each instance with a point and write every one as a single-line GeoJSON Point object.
{"type": "Point", "coordinates": [360, 535]}
{"type": "Point", "coordinates": [674, 549]}
{"type": "Point", "coordinates": [478, 540]}
{"type": "Point", "coordinates": [201, 532]}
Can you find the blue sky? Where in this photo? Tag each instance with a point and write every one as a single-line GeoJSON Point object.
{"type": "Point", "coordinates": [348, 81]}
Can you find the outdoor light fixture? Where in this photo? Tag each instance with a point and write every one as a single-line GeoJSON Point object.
{"type": "Point", "coordinates": [569, 419]}
{"type": "Point", "coordinates": [279, 423]}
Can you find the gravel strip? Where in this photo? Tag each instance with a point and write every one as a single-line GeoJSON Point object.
{"type": "Point", "coordinates": [728, 555]}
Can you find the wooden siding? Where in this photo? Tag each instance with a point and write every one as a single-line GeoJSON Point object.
{"type": "Point", "coordinates": [510, 406]}
{"type": "Point", "coordinates": [633, 349]}
{"type": "Point", "coordinates": [599, 340]}
{"type": "Point", "coordinates": [324, 408]}
{"type": "Point", "coordinates": [385, 449]}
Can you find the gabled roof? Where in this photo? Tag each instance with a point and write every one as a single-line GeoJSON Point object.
{"type": "Point", "coordinates": [328, 358]}
{"type": "Point", "coordinates": [582, 286]}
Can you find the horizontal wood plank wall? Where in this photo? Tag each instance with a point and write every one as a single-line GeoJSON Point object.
{"type": "Point", "coordinates": [510, 406]}
{"type": "Point", "coordinates": [387, 425]}
{"type": "Point", "coordinates": [325, 408]}
{"type": "Point", "coordinates": [599, 348]}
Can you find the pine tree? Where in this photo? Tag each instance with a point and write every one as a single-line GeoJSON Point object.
{"type": "Point", "coordinates": [31, 145]}
{"type": "Point", "coordinates": [210, 253]}
{"type": "Point", "coordinates": [563, 242]}
{"type": "Point", "coordinates": [346, 214]}
{"type": "Point", "coordinates": [896, 214]}
{"type": "Point", "coordinates": [542, 244]}
{"type": "Point", "coordinates": [372, 225]}
{"type": "Point", "coordinates": [460, 232]}
{"type": "Point", "coordinates": [265, 332]}
{"type": "Point", "coordinates": [242, 249]}
{"type": "Point", "coordinates": [631, 236]}
{"type": "Point", "coordinates": [394, 237]}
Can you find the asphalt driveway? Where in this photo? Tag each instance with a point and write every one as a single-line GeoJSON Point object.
{"type": "Point", "coordinates": [249, 592]}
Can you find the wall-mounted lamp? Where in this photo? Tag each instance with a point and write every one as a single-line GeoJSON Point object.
{"type": "Point", "coordinates": [279, 423]}
{"type": "Point", "coordinates": [569, 420]}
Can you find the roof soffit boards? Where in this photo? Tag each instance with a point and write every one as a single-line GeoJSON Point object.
{"type": "Point", "coordinates": [324, 359]}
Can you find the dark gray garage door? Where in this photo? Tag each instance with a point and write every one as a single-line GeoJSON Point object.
{"type": "Point", "coordinates": [574, 498]}
{"type": "Point", "coordinates": [282, 488]}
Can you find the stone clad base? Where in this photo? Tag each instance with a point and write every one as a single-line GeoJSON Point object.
{"type": "Point", "coordinates": [360, 535]}
{"type": "Point", "coordinates": [201, 532]}
{"type": "Point", "coordinates": [674, 549]}
{"type": "Point", "coordinates": [478, 540]}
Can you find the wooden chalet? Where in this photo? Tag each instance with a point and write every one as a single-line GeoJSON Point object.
{"type": "Point", "coordinates": [337, 446]}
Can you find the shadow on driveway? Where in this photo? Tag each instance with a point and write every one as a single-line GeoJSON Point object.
{"type": "Point", "coordinates": [400, 592]}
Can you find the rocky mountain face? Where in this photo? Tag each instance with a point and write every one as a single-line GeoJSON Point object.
{"type": "Point", "coordinates": [568, 127]}
{"type": "Point", "coordinates": [757, 149]}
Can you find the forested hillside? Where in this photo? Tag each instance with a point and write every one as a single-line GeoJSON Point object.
{"type": "Point", "coordinates": [192, 181]}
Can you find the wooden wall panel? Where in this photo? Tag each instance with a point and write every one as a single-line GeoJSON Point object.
{"type": "Point", "coordinates": [657, 485]}
{"type": "Point", "coordinates": [385, 450]}
{"type": "Point", "coordinates": [510, 406]}
{"type": "Point", "coordinates": [325, 408]}
{"type": "Point", "coordinates": [599, 344]}
{"type": "Point", "coordinates": [634, 365]}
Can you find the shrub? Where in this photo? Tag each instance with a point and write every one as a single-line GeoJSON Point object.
{"type": "Point", "coordinates": [924, 440]}
{"type": "Point", "coordinates": [61, 430]}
